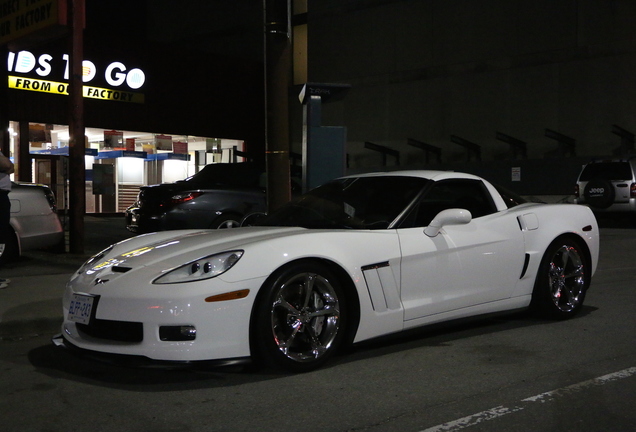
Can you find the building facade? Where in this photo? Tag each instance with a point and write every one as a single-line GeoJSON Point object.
{"type": "Point", "coordinates": [466, 78]}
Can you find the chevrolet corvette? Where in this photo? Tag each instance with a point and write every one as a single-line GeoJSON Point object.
{"type": "Point", "coordinates": [360, 257]}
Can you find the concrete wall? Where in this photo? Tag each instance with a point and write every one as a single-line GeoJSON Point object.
{"type": "Point", "coordinates": [429, 69]}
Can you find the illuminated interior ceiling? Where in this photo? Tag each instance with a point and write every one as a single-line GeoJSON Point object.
{"type": "Point", "coordinates": [96, 135]}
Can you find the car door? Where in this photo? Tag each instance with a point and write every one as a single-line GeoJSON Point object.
{"type": "Point", "coordinates": [463, 265]}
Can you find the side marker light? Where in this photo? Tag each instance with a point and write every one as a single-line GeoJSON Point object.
{"type": "Point", "coordinates": [234, 295]}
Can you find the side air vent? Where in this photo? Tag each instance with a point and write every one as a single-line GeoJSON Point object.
{"type": "Point", "coordinates": [525, 266]}
{"type": "Point", "coordinates": [382, 286]}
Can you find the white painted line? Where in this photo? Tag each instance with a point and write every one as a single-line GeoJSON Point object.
{"type": "Point", "coordinates": [474, 419]}
{"type": "Point", "coordinates": [547, 396]}
{"type": "Point", "coordinates": [501, 411]}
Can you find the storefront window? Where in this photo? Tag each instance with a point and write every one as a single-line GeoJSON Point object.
{"type": "Point", "coordinates": [118, 163]}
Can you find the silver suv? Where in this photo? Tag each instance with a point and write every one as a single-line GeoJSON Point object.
{"type": "Point", "coordinates": [608, 185]}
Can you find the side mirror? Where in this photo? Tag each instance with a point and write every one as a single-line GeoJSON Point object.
{"type": "Point", "coordinates": [454, 216]}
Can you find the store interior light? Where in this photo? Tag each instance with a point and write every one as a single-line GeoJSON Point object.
{"type": "Point", "coordinates": [60, 138]}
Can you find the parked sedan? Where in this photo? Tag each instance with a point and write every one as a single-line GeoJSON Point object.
{"type": "Point", "coordinates": [218, 196]}
{"type": "Point", "coordinates": [34, 221]}
{"type": "Point", "coordinates": [357, 258]}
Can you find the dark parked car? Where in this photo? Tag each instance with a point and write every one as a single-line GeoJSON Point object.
{"type": "Point", "coordinates": [218, 196]}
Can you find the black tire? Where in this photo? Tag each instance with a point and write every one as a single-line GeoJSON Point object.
{"type": "Point", "coordinates": [10, 251]}
{"type": "Point", "coordinates": [599, 193]}
{"type": "Point", "coordinates": [562, 280]}
{"type": "Point", "coordinates": [299, 318]}
{"type": "Point", "coordinates": [228, 220]}
{"type": "Point", "coordinates": [252, 219]}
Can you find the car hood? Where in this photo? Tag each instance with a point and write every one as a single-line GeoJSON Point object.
{"type": "Point", "coordinates": [171, 248]}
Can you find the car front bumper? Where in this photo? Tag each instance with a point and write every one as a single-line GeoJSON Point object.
{"type": "Point", "coordinates": [222, 328]}
{"type": "Point", "coordinates": [139, 222]}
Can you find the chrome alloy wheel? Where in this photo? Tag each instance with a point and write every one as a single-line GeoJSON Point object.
{"type": "Point", "coordinates": [566, 278]}
{"type": "Point", "coordinates": [230, 223]}
{"type": "Point", "coordinates": [305, 317]}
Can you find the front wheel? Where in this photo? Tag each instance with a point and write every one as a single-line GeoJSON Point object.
{"type": "Point", "coordinates": [563, 278]}
{"type": "Point", "coordinates": [299, 318]}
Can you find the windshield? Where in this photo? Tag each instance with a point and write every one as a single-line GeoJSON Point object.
{"type": "Point", "coordinates": [607, 170]}
{"type": "Point", "coordinates": [354, 203]}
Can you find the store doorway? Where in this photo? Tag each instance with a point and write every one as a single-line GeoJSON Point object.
{"type": "Point", "coordinates": [48, 170]}
{"type": "Point", "coordinates": [43, 173]}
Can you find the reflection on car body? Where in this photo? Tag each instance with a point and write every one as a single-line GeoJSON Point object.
{"type": "Point", "coordinates": [359, 257]}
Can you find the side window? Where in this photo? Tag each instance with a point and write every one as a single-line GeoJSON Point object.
{"type": "Point", "coordinates": [466, 194]}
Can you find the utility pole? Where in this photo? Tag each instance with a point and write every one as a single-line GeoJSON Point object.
{"type": "Point", "coordinates": [4, 104]}
{"type": "Point", "coordinates": [77, 169]}
{"type": "Point", "coordinates": [278, 77]}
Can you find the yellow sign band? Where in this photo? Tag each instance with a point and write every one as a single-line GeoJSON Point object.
{"type": "Point", "coordinates": [38, 85]}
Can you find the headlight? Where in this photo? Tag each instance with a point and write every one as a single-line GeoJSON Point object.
{"type": "Point", "coordinates": [203, 268]}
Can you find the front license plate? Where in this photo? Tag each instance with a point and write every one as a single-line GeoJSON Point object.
{"type": "Point", "coordinates": [80, 309]}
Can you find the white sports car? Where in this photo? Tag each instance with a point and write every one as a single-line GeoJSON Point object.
{"type": "Point", "coordinates": [359, 257]}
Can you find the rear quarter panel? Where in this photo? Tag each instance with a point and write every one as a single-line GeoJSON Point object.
{"type": "Point", "coordinates": [543, 223]}
{"type": "Point", "coordinates": [203, 210]}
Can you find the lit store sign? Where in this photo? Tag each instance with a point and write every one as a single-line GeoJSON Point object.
{"type": "Point", "coordinates": [115, 74]}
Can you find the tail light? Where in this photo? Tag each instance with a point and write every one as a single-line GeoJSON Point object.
{"type": "Point", "coordinates": [632, 190]}
{"type": "Point", "coordinates": [577, 193]}
{"type": "Point", "coordinates": [184, 197]}
{"type": "Point", "coordinates": [50, 197]}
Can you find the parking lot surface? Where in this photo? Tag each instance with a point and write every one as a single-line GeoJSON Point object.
{"type": "Point", "coordinates": [507, 373]}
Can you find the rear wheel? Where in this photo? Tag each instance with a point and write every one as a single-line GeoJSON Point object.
{"type": "Point", "coordinates": [252, 219]}
{"type": "Point", "coordinates": [299, 318]}
{"type": "Point", "coordinates": [563, 278]}
{"type": "Point", "coordinates": [226, 221]}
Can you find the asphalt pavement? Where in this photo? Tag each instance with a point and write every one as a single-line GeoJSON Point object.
{"type": "Point", "coordinates": [31, 303]}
